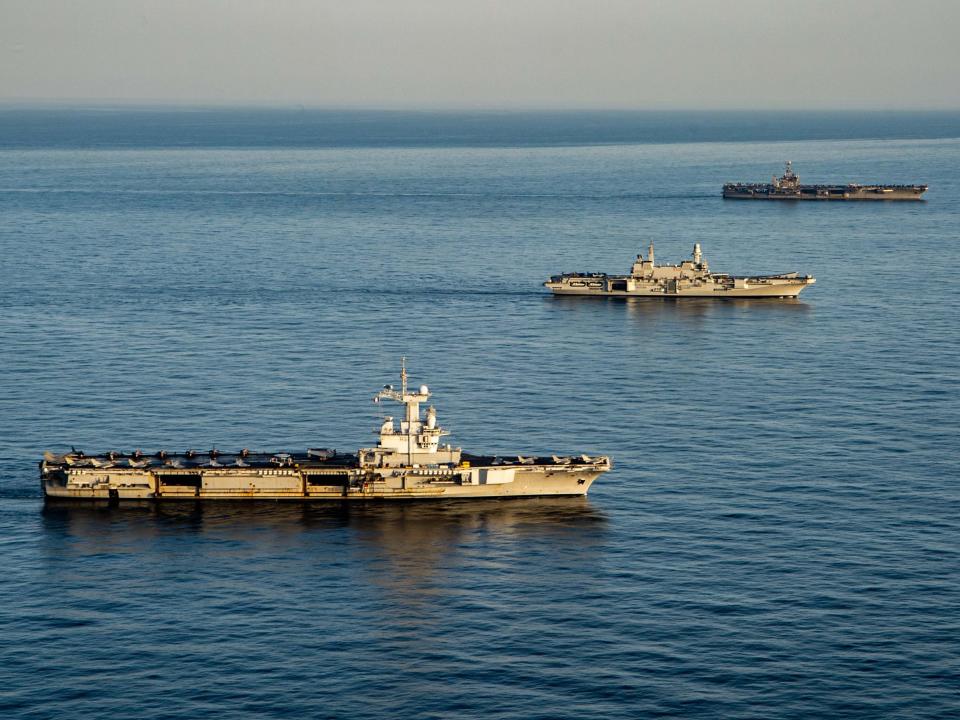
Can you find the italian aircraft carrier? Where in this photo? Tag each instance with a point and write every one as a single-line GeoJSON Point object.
{"type": "Point", "coordinates": [788, 187]}
{"type": "Point", "coordinates": [690, 279]}
{"type": "Point", "coordinates": [408, 463]}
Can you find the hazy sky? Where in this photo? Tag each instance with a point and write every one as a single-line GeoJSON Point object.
{"type": "Point", "coordinates": [485, 53]}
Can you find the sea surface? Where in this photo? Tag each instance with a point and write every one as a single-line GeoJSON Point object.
{"type": "Point", "coordinates": [780, 535]}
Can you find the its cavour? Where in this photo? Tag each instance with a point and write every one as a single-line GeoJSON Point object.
{"type": "Point", "coordinates": [408, 463]}
{"type": "Point", "coordinates": [690, 279]}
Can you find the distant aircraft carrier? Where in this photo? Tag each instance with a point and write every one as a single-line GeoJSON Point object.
{"type": "Point", "coordinates": [788, 187]}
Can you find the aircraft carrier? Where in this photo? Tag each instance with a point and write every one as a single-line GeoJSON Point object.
{"type": "Point", "coordinates": [788, 187]}
{"type": "Point", "coordinates": [408, 463]}
{"type": "Point", "coordinates": [690, 279]}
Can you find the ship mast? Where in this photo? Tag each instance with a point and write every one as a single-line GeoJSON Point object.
{"type": "Point", "coordinates": [416, 438]}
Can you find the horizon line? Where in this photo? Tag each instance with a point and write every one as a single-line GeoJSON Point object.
{"type": "Point", "coordinates": [110, 104]}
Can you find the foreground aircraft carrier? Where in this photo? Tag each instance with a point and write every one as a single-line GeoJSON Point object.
{"type": "Point", "coordinates": [407, 463]}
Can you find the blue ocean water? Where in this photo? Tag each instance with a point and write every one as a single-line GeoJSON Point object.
{"type": "Point", "coordinates": [779, 536]}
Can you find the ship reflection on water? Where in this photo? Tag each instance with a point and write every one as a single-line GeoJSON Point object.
{"type": "Point", "coordinates": [404, 549]}
{"type": "Point", "coordinates": [97, 521]}
{"type": "Point", "coordinates": [702, 307]}
{"type": "Point", "coordinates": [682, 309]}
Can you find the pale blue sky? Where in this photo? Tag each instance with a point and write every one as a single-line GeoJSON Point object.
{"type": "Point", "coordinates": [485, 53]}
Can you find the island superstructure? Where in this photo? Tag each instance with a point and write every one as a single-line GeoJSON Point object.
{"type": "Point", "coordinates": [788, 187]}
{"type": "Point", "coordinates": [408, 462]}
{"type": "Point", "coordinates": [690, 279]}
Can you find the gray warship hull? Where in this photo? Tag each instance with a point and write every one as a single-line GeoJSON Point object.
{"type": "Point", "coordinates": [766, 191]}
{"type": "Point", "coordinates": [788, 187]}
{"type": "Point", "coordinates": [766, 286]}
{"type": "Point", "coordinates": [303, 478]}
